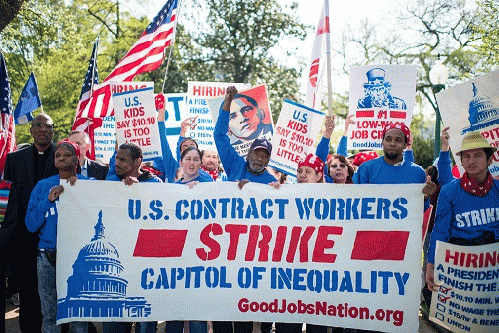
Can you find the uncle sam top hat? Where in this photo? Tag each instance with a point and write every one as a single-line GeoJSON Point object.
{"type": "Point", "coordinates": [375, 78]}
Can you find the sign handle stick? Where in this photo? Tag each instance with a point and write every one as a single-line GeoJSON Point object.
{"type": "Point", "coordinates": [328, 57]}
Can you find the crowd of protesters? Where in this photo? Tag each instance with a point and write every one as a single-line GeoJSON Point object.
{"type": "Point", "coordinates": [29, 230]}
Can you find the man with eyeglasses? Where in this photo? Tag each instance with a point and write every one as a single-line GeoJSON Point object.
{"type": "Point", "coordinates": [24, 168]}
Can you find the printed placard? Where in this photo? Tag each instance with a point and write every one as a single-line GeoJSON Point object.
{"type": "Point", "coordinates": [136, 121]}
{"type": "Point", "coordinates": [468, 296]}
{"type": "Point", "coordinates": [379, 95]}
{"type": "Point", "coordinates": [197, 93]}
{"type": "Point", "coordinates": [472, 106]}
{"type": "Point", "coordinates": [295, 136]}
{"type": "Point", "coordinates": [176, 111]}
{"type": "Point", "coordinates": [250, 117]}
{"type": "Point", "coordinates": [105, 135]}
{"type": "Point", "coordinates": [307, 253]}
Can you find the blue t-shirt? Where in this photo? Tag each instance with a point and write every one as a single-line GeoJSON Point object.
{"type": "Point", "coordinates": [377, 171]}
{"type": "Point", "coordinates": [42, 214]}
{"type": "Point", "coordinates": [464, 216]}
{"type": "Point", "coordinates": [202, 178]}
{"type": "Point", "coordinates": [235, 166]}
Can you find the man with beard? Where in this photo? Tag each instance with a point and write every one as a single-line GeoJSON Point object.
{"type": "Point", "coordinates": [237, 169]}
{"type": "Point", "coordinates": [392, 168]}
{"type": "Point", "coordinates": [211, 164]}
{"type": "Point", "coordinates": [25, 168]}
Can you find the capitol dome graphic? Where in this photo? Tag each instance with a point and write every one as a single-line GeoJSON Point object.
{"type": "Point", "coordinates": [96, 289]}
{"type": "Point", "coordinates": [482, 112]}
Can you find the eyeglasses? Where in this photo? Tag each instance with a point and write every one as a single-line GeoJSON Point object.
{"type": "Point", "coordinates": [341, 165]}
{"type": "Point", "coordinates": [48, 127]}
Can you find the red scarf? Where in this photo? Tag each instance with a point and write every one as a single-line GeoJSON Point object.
{"type": "Point", "coordinates": [213, 174]}
{"type": "Point", "coordinates": [474, 188]}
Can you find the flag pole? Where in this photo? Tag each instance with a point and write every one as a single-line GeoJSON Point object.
{"type": "Point", "coordinates": [95, 63]}
{"type": "Point", "coordinates": [171, 46]}
{"type": "Point", "coordinates": [36, 84]}
{"type": "Point", "coordinates": [328, 57]}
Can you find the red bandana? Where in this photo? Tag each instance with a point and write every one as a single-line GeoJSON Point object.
{"type": "Point", "coordinates": [478, 189]}
{"type": "Point", "coordinates": [213, 174]}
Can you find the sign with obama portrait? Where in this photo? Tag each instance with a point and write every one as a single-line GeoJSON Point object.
{"type": "Point", "coordinates": [249, 118]}
{"type": "Point", "coordinates": [339, 255]}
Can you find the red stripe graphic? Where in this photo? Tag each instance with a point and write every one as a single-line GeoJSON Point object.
{"type": "Point", "coordinates": [398, 114]}
{"type": "Point", "coordinates": [364, 114]}
{"type": "Point", "coordinates": [160, 243]}
{"type": "Point", "coordinates": [380, 245]}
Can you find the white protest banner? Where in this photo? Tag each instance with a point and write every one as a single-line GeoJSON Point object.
{"type": "Point", "coordinates": [379, 95]}
{"type": "Point", "coordinates": [105, 136]}
{"type": "Point", "coordinates": [295, 136]}
{"type": "Point", "coordinates": [136, 121]}
{"type": "Point", "coordinates": [250, 117]}
{"type": "Point", "coordinates": [468, 296]}
{"type": "Point", "coordinates": [472, 106]}
{"type": "Point", "coordinates": [339, 255]}
{"type": "Point", "coordinates": [197, 93]}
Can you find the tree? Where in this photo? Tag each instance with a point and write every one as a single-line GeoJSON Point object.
{"type": "Point", "coordinates": [425, 32]}
{"type": "Point", "coordinates": [236, 40]}
{"type": "Point", "coordinates": [9, 10]}
{"type": "Point", "coordinates": [486, 31]}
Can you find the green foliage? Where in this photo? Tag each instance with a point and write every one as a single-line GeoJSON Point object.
{"type": "Point", "coordinates": [54, 39]}
{"type": "Point", "coordinates": [486, 30]}
{"type": "Point", "coordinates": [236, 43]}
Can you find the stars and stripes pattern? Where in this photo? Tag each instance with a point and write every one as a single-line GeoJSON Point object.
{"type": "Point", "coordinates": [147, 53]}
{"type": "Point", "coordinates": [7, 127]}
{"type": "Point", "coordinates": [144, 56]}
{"type": "Point", "coordinates": [89, 123]}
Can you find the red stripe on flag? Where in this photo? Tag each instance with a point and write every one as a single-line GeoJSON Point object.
{"type": "Point", "coordinates": [380, 245]}
{"type": "Point", "coordinates": [364, 114]}
{"type": "Point", "coordinates": [398, 114]}
{"type": "Point", "coordinates": [160, 243]}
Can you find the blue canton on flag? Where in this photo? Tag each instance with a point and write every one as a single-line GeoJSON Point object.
{"type": "Point", "coordinates": [28, 102]}
{"type": "Point", "coordinates": [164, 16]}
{"type": "Point", "coordinates": [5, 93]}
{"type": "Point", "coordinates": [92, 76]}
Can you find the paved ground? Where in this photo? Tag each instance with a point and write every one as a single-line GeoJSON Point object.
{"type": "Point", "coordinates": [12, 323]}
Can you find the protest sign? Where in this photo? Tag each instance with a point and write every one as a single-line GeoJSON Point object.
{"type": "Point", "coordinates": [105, 140]}
{"type": "Point", "coordinates": [338, 255]}
{"type": "Point", "coordinates": [468, 295]}
{"type": "Point", "coordinates": [136, 121]}
{"type": "Point", "coordinates": [472, 106]}
{"type": "Point", "coordinates": [197, 93]}
{"type": "Point", "coordinates": [386, 96]}
{"type": "Point", "coordinates": [250, 117]}
{"type": "Point", "coordinates": [295, 136]}
{"type": "Point", "coordinates": [105, 135]}
{"type": "Point", "coordinates": [176, 111]}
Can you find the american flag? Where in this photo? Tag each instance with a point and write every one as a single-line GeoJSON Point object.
{"type": "Point", "coordinates": [144, 56]}
{"type": "Point", "coordinates": [88, 124]}
{"type": "Point", "coordinates": [7, 127]}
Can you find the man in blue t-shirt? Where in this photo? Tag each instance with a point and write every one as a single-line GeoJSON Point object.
{"type": "Point", "coordinates": [392, 168]}
{"type": "Point", "coordinates": [237, 169]}
{"type": "Point", "coordinates": [467, 207]}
